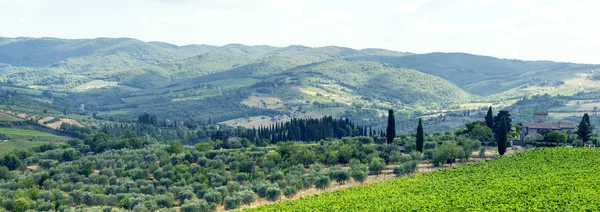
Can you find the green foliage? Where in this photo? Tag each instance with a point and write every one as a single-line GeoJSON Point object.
{"type": "Point", "coordinates": [533, 139]}
{"type": "Point", "coordinates": [447, 152]}
{"type": "Point", "coordinates": [585, 128]}
{"type": "Point", "coordinates": [502, 126]}
{"type": "Point", "coordinates": [199, 205]}
{"type": "Point", "coordinates": [489, 118]}
{"type": "Point", "coordinates": [420, 137]}
{"type": "Point", "coordinates": [232, 202]}
{"type": "Point", "coordinates": [556, 137]}
{"type": "Point", "coordinates": [175, 147]}
{"type": "Point", "coordinates": [273, 194]}
{"type": "Point", "coordinates": [322, 181]}
{"type": "Point", "coordinates": [21, 204]}
{"type": "Point", "coordinates": [4, 173]}
{"type": "Point", "coordinates": [405, 168]}
{"type": "Point", "coordinates": [391, 127]}
{"type": "Point", "coordinates": [376, 166]}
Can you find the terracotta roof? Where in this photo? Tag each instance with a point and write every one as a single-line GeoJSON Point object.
{"type": "Point", "coordinates": [550, 125]}
{"type": "Point", "coordinates": [540, 113]}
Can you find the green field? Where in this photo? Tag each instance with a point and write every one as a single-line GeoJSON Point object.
{"type": "Point", "coordinates": [24, 132]}
{"type": "Point", "coordinates": [8, 146]}
{"type": "Point", "coordinates": [7, 117]}
{"type": "Point", "coordinates": [553, 179]}
{"type": "Point", "coordinates": [30, 91]}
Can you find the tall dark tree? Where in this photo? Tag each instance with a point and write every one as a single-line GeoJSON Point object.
{"type": "Point", "coordinates": [489, 118]}
{"type": "Point", "coordinates": [391, 127]}
{"type": "Point", "coordinates": [502, 134]}
{"type": "Point", "coordinates": [585, 128]}
{"type": "Point", "coordinates": [502, 126]}
{"type": "Point", "coordinates": [503, 114]}
{"type": "Point", "coordinates": [420, 137]}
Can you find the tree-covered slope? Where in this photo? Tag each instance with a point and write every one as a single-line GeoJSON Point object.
{"type": "Point", "coordinates": [381, 81]}
{"type": "Point", "coordinates": [483, 75]}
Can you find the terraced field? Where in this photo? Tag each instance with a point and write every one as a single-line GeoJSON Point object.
{"type": "Point", "coordinates": [7, 117]}
{"type": "Point", "coordinates": [7, 146]}
{"type": "Point", "coordinates": [553, 179]}
{"type": "Point", "coordinates": [24, 132]}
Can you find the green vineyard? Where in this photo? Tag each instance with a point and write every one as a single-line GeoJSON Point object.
{"type": "Point", "coordinates": [557, 179]}
{"type": "Point", "coordinates": [7, 146]}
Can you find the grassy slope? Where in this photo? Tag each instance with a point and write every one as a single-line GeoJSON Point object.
{"type": "Point", "coordinates": [558, 179]}
{"type": "Point", "coordinates": [484, 75]}
{"type": "Point", "coordinates": [24, 132]}
{"type": "Point", "coordinates": [8, 146]}
{"type": "Point", "coordinates": [380, 81]}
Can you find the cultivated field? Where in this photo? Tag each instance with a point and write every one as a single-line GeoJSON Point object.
{"type": "Point", "coordinates": [549, 179]}
{"type": "Point", "coordinates": [8, 117]}
{"type": "Point", "coordinates": [254, 121]}
{"type": "Point", "coordinates": [94, 84]}
{"type": "Point", "coordinates": [263, 102]}
{"type": "Point", "coordinates": [7, 146]}
{"type": "Point", "coordinates": [24, 132]}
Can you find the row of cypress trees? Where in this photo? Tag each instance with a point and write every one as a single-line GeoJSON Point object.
{"type": "Point", "coordinates": [391, 131]}
{"type": "Point", "coordinates": [311, 129]}
{"type": "Point", "coordinates": [500, 125]}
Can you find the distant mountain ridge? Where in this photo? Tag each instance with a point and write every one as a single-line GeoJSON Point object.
{"type": "Point", "coordinates": [313, 80]}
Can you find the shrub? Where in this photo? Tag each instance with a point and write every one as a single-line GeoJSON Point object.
{"type": "Point", "coordinates": [164, 201]}
{"type": "Point", "coordinates": [200, 205]}
{"type": "Point", "coordinates": [247, 196]}
{"type": "Point", "coordinates": [322, 182]}
{"type": "Point", "coordinates": [340, 175]}
{"type": "Point", "coordinates": [290, 191]}
{"type": "Point", "coordinates": [359, 175]}
{"type": "Point", "coordinates": [428, 154]}
{"type": "Point", "coordinates": [429, 145]}
{"type": "Point", "coordinates": [232, 202]}
{"type": "Point", "coordinates": [241, 177]}
{"type": "Point", "coordinates": [45, 206]}
{"type": "Point", "coordinates": [415, 155]}
{"type": "Point", "coordinates": [213, 197]}
{"type": "Point", "coordinates": [405, 168]}
{"type": "Point", "coordinates": [185, 195]}
{"type": "Point", "coordinates": [21, 204]}
{"type": "Point", "coordinates": [376, 166]}
{"type": "Point", "coordinates": [276, 176]}
{"type": "Point", "coordinates": [273, 193]}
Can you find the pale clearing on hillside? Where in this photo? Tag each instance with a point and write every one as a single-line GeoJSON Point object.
{"type": "Point", "coordinates": [94, 84]}
{"type": "Point", "coordinates": [589, 106]}
{"type": "Point", "coordinates": [254, 121]}
{"type": "Point", "coordinates": [264, 102]}
{"type": "Point", "coordinates": [56, 125]}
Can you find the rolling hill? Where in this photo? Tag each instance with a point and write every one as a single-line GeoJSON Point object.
{"type": "Point", "coordinates": [126, 77]}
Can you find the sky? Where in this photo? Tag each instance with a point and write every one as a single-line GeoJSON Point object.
{"type": "Point", "coordinates": [564, 31]}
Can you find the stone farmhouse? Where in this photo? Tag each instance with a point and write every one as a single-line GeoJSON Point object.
{"type": "Point", "coordinates": [542, 126]}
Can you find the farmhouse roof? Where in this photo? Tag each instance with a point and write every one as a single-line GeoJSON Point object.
{"type": "Point", "coordinates": [550, 125]}
{"type": "Point", "coordinates": [540, 113]}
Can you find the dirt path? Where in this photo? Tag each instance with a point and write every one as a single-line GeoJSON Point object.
{"type": "Point", "coordinates": [387, 174]}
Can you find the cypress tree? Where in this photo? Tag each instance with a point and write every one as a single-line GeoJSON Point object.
{"type": "Point", "coordinates": [489, 119]}
{"type": "Point", "coordinates": [585, 128]}
{"type": "Point", "coordinates": [501, 136]}
{"type": "Point", "coordinates": [420, 137]}
{"type": "Point", "coordinates": [391, 127]}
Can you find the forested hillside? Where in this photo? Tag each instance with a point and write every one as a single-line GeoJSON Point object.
{"type": "Point", "coordinates": [241, 85]}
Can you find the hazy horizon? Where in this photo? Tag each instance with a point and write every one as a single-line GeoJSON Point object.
{"type": "Point", "coordinates": [526, 30]}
